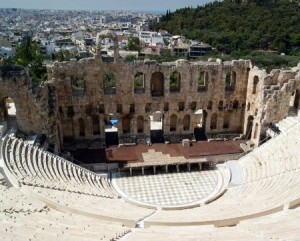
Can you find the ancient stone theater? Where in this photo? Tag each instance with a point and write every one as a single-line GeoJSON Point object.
{"type": "Point", "coordinates": [80, 97]}
{"type": "Point", "coordinates": [101, 102]}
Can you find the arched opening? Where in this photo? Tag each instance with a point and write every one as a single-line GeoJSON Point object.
{"type": "Point", "coordinates": [109, 83]}
{"type": "Point", "coordinates": [199, 124]}
{"type": "Point", "coordinates": [221, 105]}
{"type": "Point", "coordinates": [126, 124]}
{"type": "Point", "coordinates": [166, 106]}
{"type": "Point", "coordinates": [8, 112]}
{"type": "Point", "coordinates": [181, 106]}
{"type": "Point", "coordinates": [202, 81]}
{"type": "Point", "coordinates": [96, 125]}
{"type": "Point", "coordinates": [294, 103]}
{"type": "Point", "coordinates": [140, 124]}
{"type": "Point", "coordinates": [230, 105]}
{"type": "Point", "coordinates": [111, 129]}
{"type": "Point", "coordinates": [248, 106]}
{"type": "Point", "coordinates": [139, 83]}
{"type": "Point", "coordinates": [255, 131]}
{"type": "Point", "coordinates": [175, 79]}
{"type": "Point", "coordinates": [249, 127]}
{"type": "Point", "coordinates": [193, 105]}
{"type": "Point", "coordinates": [226, 120]}
{"type": "Point", "coordinates": [213, 121]}
{"type": "Point", "coordinates": [156, 127]}
{"type": "Point", "coordinates": [186, 122]}
{"type": "Point", "coordinates": [255, 82]}
{"type": "Point", "coordinates": [3, 110]}
{"type": "Point", "coordinates": [230, 81]}
{"type": "Point", "coordinates": [209, 105]}
{"type": "Point", "coordinates": [173, 123]}
{"type": "Point", "coordinates": [235, 104]}
{"type": "Point", "coordinates": [78, 84]}
{"type": "Point", "coordinates": [81, 127]}
{"type": "Point", "coordinates": [157, 84]}
{"type": "Point", "coordinates": [106, 42]}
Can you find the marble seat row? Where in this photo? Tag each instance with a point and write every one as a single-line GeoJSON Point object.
{"type": "Point", "coordinates": [280, 226]}
{"type": "Point", "coordinates": [271, 181]}
{"type": "Point", "coordinates": [34, 166]}
{"type": "Point", "coordinates": [287, 123]}
{"type": "Point", "coordinates": [238, 202]}
{"type": "Point", "coordinates": [277, 156]}
{"type": "Point", "coordinates": [58, 182]}
{"type": "Point", "coordinates": [24, 218]}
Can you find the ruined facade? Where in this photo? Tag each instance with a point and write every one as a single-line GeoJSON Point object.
{"type": "Point", "coordinates": [117, 102]}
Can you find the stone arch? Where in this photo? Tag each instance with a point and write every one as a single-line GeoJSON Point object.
{"type": "Point", "coordinates": [294, 100]}
{"type": "Point", "coordinates": [203, 78]}
{"type": "Point", "coordinates": [8, 112]}
{"type": "Point", "coordinates": [255, 131]}
{"type": "Point", "coordinates": [109, 83]}
{"type": "Point", "coordinates": [249, 127]}
{"type": "Point", "coordinates": [157, 84]}
{"type": "Point", "coordinates": [221, 105]}
{"type": "Point", "coordinates": [140, 124]}
{"type": "Point", "coordinates": [209, 105]}
{"type": "Point", "coordinates": [226, 120]}
{"type": "Point", "coordinates": [186, 122]}
{"type": "Point", "coordinates": [235, 105]}
{"type": "Point", "coordinates": [248, 106]}
{"type": "Point", "coordinates": [78, 84]}
{"type": "Point", "coordinates": [297, 99]}
{"type": "Point", "coordinates": [81, 127]}
{"type": "Point", "coordinates": [96, 125]}
{"type": "Point", "coordinates": [175, 80]}
{"type": "Point", "coordinates": [4, 106]}
{"type": "Point", "coordinates": [230, 81]}
{"type": "Point", "coordinates": [213, 121]}
{"type": "Point", "coordinates": [173, 123]}
{"type": "Point", "coordinates": [202, 81]}
{"type": "Point", "coordinates": [111, 35]}
{"type": "Point", "coordinates": [255, 82]}
{"type": "Point", "coordinates": [139, 83]}
{"type": "Point", "coordinates": [126, 124]}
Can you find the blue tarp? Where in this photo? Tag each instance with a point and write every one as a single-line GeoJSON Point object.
{"type": "Point", "coordinates": [114, 122]}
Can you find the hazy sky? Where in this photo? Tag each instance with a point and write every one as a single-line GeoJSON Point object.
{"type": "Point", "coordinates": [162, 5]}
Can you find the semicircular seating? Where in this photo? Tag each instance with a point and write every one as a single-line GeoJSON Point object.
{"type": "Point", "coordinates": [25, 218]}
{"type": "Point", "coordinates": [65, 185]}
{"type": "Point", "coordinates": [271, 181]}
{"type": "Point", "coordinates": [271, 177]}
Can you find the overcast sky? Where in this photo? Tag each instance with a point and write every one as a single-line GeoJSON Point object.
{"type": "Point", "coordinates": [150, 5]}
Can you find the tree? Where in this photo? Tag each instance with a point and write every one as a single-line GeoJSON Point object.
{"type": "Point", "coordinates": [239, 25]}
{"type": "Point", "coordinates": [28, 55]}
{"type": "Point", "coordinates": [109, 80]}
{"type": "Point", "coordinates": [134, 44]}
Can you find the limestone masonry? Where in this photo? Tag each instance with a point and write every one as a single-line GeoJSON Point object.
{"type": "Point", "coordinates": [82, 99]}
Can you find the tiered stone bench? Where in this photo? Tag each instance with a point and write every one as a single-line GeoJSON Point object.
{"type": "Point", "coordinates": [271, 182]}
{"type": "Point", "coordinates": [64, 185]}
{"type": "Point", "coordinates": [25, 218]}
{"type": "Point", "coordinates": [279, 226]}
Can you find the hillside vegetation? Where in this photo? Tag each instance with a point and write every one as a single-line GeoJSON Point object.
{"type": "Point", "coordinates": [236, 29]}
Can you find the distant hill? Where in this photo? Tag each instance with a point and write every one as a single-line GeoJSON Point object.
{"type": "Point", "coordinates": [239, 25]}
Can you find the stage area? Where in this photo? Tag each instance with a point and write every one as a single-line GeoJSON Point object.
{"type": "Point", "coordinates": [196, 150]}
